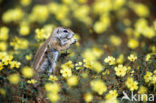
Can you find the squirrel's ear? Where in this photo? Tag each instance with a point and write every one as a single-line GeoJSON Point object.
{"type": "Point", "coordinates": [57, 31]}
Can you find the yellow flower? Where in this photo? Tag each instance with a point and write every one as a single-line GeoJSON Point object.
{"type": "Point", "coordinates": [14, 78]}
{"type": "Point", "coordinates": [4, 33]}
{"type": "Point", "coordinates": [131, 84]}
{"type": "Point", "coordinates": [132, 57]}
{"type": "Point", "coordinates": [98, 86]}
{"type": "Point", "coordinates": [32, 81]}
{"type": "Point", "coordinates": [67, 1]}
{"type": "Point", "coordinates": [27, 72]}
{"type": "Point", "coordinates": [111, 95]}
{"type": "Point", "coordinates": [25, 2]}
{"type": "Point", "coordinates": [132, 43]}
{"type": "Point", "coordinates": [153, 48]}
{"type": "Point", "coordinates": [97, 51]}
{"type": "Point", "coordinates": [78, 65]}
{"type": "Point", "coordinates": [92, 54]}
{"type": "Point", "coordinates": [62, 14]}
{"type": "Point", "coordinates": [24, 30]}
{"type": "Point", "coordinates": [77, 37]}
{"type": "Point", "coordinates": [99, 27]}
{"type": "Point", "coordinates": [142, 90]}
{"type": "Point", "coordinates": [43, 33]}
{"type": "Point", "coordinates": [120, 70]}
{"type": "Point", "coordinates": [53, 78]}
{"type": "Point", "coordinates": [66, 72]}
{"type": "Point", "coordinates": [1, 66]}
{"type": "Point", "coordinates": [120, 59]}
{"type": "Point", "coordinates": [153, 81]}
{"type": "Point", "coordinates": [87, 63]}
{"type": "Point", "coordinates": [28, 57]}
{"type": "Point", "coordinates": [148, 76]}
{"type": "Point", "coordinates": [102, 6]}
{"type": "Point", "coordinates": [97, 66]}
{"type": "Point", "coordinates": [134, 86]}
{"type": "Point", "coordinates": [115, 40]}
{"type": "Point", "coordinates": [53, 97]}
{"type": "Point", "coordinates": [12, 15]}
{"type": "Point", "coordinates": [48, 30]}
{"type": "Point", "coordinates": [82, 1]}
{"type": "Point", "coordinates": [106, 72]}
{"type": "Point", "coordinates": [132, 72]}
{"type": "Point", "coordinates": [19, 43]}
{"type": "Point", "coordinates": [39, 13]}
{"type": "Point", "coordinates": [102, 25]}
{"type": "Point", "coordinates": [40, 34]}
{"type": "Point", "coordinates": [53, 7]}
{"type": "Point", "coordinates": [7, 60]}
{"type": "Point", "coordinates": [3, 46]}
{"type": "Point", "coordinates": [14, 64]}
{"type": "Point", "coordinates": [154, 24]}
{"type": "Point", "coordinates": [117, 4]}
{"type": "Point", "coordinates": [147, 58]}
{"type": "Point", "coordinates": [68, 64]}
{"type": "Point", "coordinates": [88, 97]}
{"type": "Point", "coordinates": [88, 54]}
{"type": "Point", "coordinates": [110, 60]}
{"type": "Point", "coordinates": [141, 10]}
{"type": "Point", "coordinates": [81, 13]}
{"type": "Point", "coordinates": [54, 88]}
{"type": "Point", "coordinates": [141, 25]}
{"type": "Point", "coordinates": [3, 55]}
{"type": "Point", "coordinates": [2, 91]}
{"type": "Point", "coordinates": [149, 32]}
{"type": "Point", "coordinates": [72, 81]}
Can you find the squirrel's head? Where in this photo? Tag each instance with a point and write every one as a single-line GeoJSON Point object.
{"type": "Point", "coordinates": [61, 38]}
{"type": "Point", "coordinates": [61, 33]}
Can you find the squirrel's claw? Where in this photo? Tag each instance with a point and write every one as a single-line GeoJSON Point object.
{"type": "Point", "coordinates": [74, 41]}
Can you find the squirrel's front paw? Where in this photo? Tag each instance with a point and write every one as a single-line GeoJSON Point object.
{"type": "Point", "coordinates": [73, 41]}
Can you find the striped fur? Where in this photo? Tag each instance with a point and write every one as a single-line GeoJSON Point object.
{"type": "Point", "coordinates": [47, 54]}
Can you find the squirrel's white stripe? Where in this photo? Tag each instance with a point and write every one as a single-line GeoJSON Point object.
{"type": "Point", "coordinates": [41, 57]}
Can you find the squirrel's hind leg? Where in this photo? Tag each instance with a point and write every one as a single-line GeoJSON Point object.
{"type": "Point", "coordinates": [52, 58]}
{"type": "Point", "coordinates": [44, 65]}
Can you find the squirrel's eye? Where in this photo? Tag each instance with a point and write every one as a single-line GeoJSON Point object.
{"type": "Point", "coordinates": [65, 31]}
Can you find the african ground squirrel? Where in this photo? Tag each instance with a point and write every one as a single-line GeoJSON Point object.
{"type": "Point", "coordinates": [46, 56]}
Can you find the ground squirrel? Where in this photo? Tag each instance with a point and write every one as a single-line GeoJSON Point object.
{"type": "Point", "coordinates": [46, 56]}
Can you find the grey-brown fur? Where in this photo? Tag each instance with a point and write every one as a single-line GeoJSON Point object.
{"type": "Point", "coordinates": [47, 54]}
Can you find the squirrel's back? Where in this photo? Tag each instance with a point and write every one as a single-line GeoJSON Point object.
{"type": "Point", "coordinates": [40, 55]}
